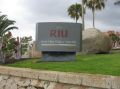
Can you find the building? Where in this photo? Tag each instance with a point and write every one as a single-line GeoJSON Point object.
{"type": "Point", "coordinates": [33, 52]}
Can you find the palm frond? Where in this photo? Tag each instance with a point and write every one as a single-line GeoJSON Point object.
{"type": "Point", "coordinates": [8, 29]}
{"type": "Point", "coordinates": [117, 2]}
{"type": "Point", "coordinates": [75, 11]}
{"type": "Point", "coordinates": [6, 24]}
{"type": "Point", "coordinates": [96, 4]}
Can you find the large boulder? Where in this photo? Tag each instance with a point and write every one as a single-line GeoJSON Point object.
{"type": "Point", "coordinates": [94, 41]}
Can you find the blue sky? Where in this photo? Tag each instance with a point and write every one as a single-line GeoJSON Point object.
{"type": "Point", "coordinates": [27, 13]}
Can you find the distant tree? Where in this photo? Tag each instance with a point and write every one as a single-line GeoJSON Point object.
{"type": "Point", "coordinates": [5, 26]}
{"type": "Point", "coordinates": [75, 11]}
{"type": "Point", "coordinates": [114, 38]}
{"type": "Point", "coordinates": [26, 39]}
{"type": "Point", "coordinates": [95, 5]}
{"type": "Point", "coordinates": [9, 45]}
{"type": "Point", "coordinates": [25, 44]}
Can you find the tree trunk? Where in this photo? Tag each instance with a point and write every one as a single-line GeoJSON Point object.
{"type": "Point", "coordinates": [93, 11]}
{"type": "Point", "coordinates": [2, 58]}
{"type": "Point", "coordinates": [83, 23]}
{"type": "Point", "coordinates": [76, 20]}
{"type": "Point", "coordinates": [1, 49]}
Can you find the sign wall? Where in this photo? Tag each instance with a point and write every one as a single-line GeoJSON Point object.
{"type": "Point", "coordinates": [59, 36]}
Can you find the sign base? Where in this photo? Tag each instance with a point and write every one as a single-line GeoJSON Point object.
{"type": "Point", "coordinates": [58, 56]}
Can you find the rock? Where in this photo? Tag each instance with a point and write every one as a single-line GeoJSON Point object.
{"type": "Point", "coordinates": [31, 87]}
{"type": "Point", "coordinates": [10, 84]}
{"type": "Point", "coordinates": [5, 77]}
{"type": "Point", "coordinates": [22, 81]}
{"type": "Point", "coordinates": [2, 84]}
{"type": "Point", "coordinates": [36, 83]}
{"type": "Point", "coordinates": [1, 78]}
{"type": "Point", "coordinates": [94, 41]}
{"type": "Point", "coordinates": [76, 88]}
{"type": "Point", "coordinates": [51, 85]}
{"type": "Point", "coordinates": [21, 88]}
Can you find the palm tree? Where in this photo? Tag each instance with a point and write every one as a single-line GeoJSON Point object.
{"type": "Point", "coordinates": [75, 11]}
{"type": "Point", "coordinates": [95, 5]}
{"type": "Point", "coordinates": [5, 26]}
{"type": "Point", "coordinates": [83, 13]}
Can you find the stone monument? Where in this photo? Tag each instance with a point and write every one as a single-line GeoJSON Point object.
{"type": "Point", "coordinates": [58, 41]}
{"type": "Point", "coordinates": [94, 41]}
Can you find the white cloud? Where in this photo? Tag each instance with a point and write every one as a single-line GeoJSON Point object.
{"type": "Point", "coordinates": [27, 13]}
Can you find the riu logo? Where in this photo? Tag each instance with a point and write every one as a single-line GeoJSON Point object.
{"type": "Point", "coordinates": [58, 33]}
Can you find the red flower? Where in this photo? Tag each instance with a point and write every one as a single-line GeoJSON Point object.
{"type": "Point", "coordinates": [9, 34]}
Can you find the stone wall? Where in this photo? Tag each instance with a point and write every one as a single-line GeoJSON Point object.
{"type": "Point", "coordinates": [21, 78]}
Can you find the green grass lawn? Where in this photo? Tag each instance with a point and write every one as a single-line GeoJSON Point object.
{"type": "Point", "coordinates": [108, 64]}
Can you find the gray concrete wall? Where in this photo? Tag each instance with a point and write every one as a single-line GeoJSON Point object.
{"type": "Point", "coordinates": [21, 78]}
